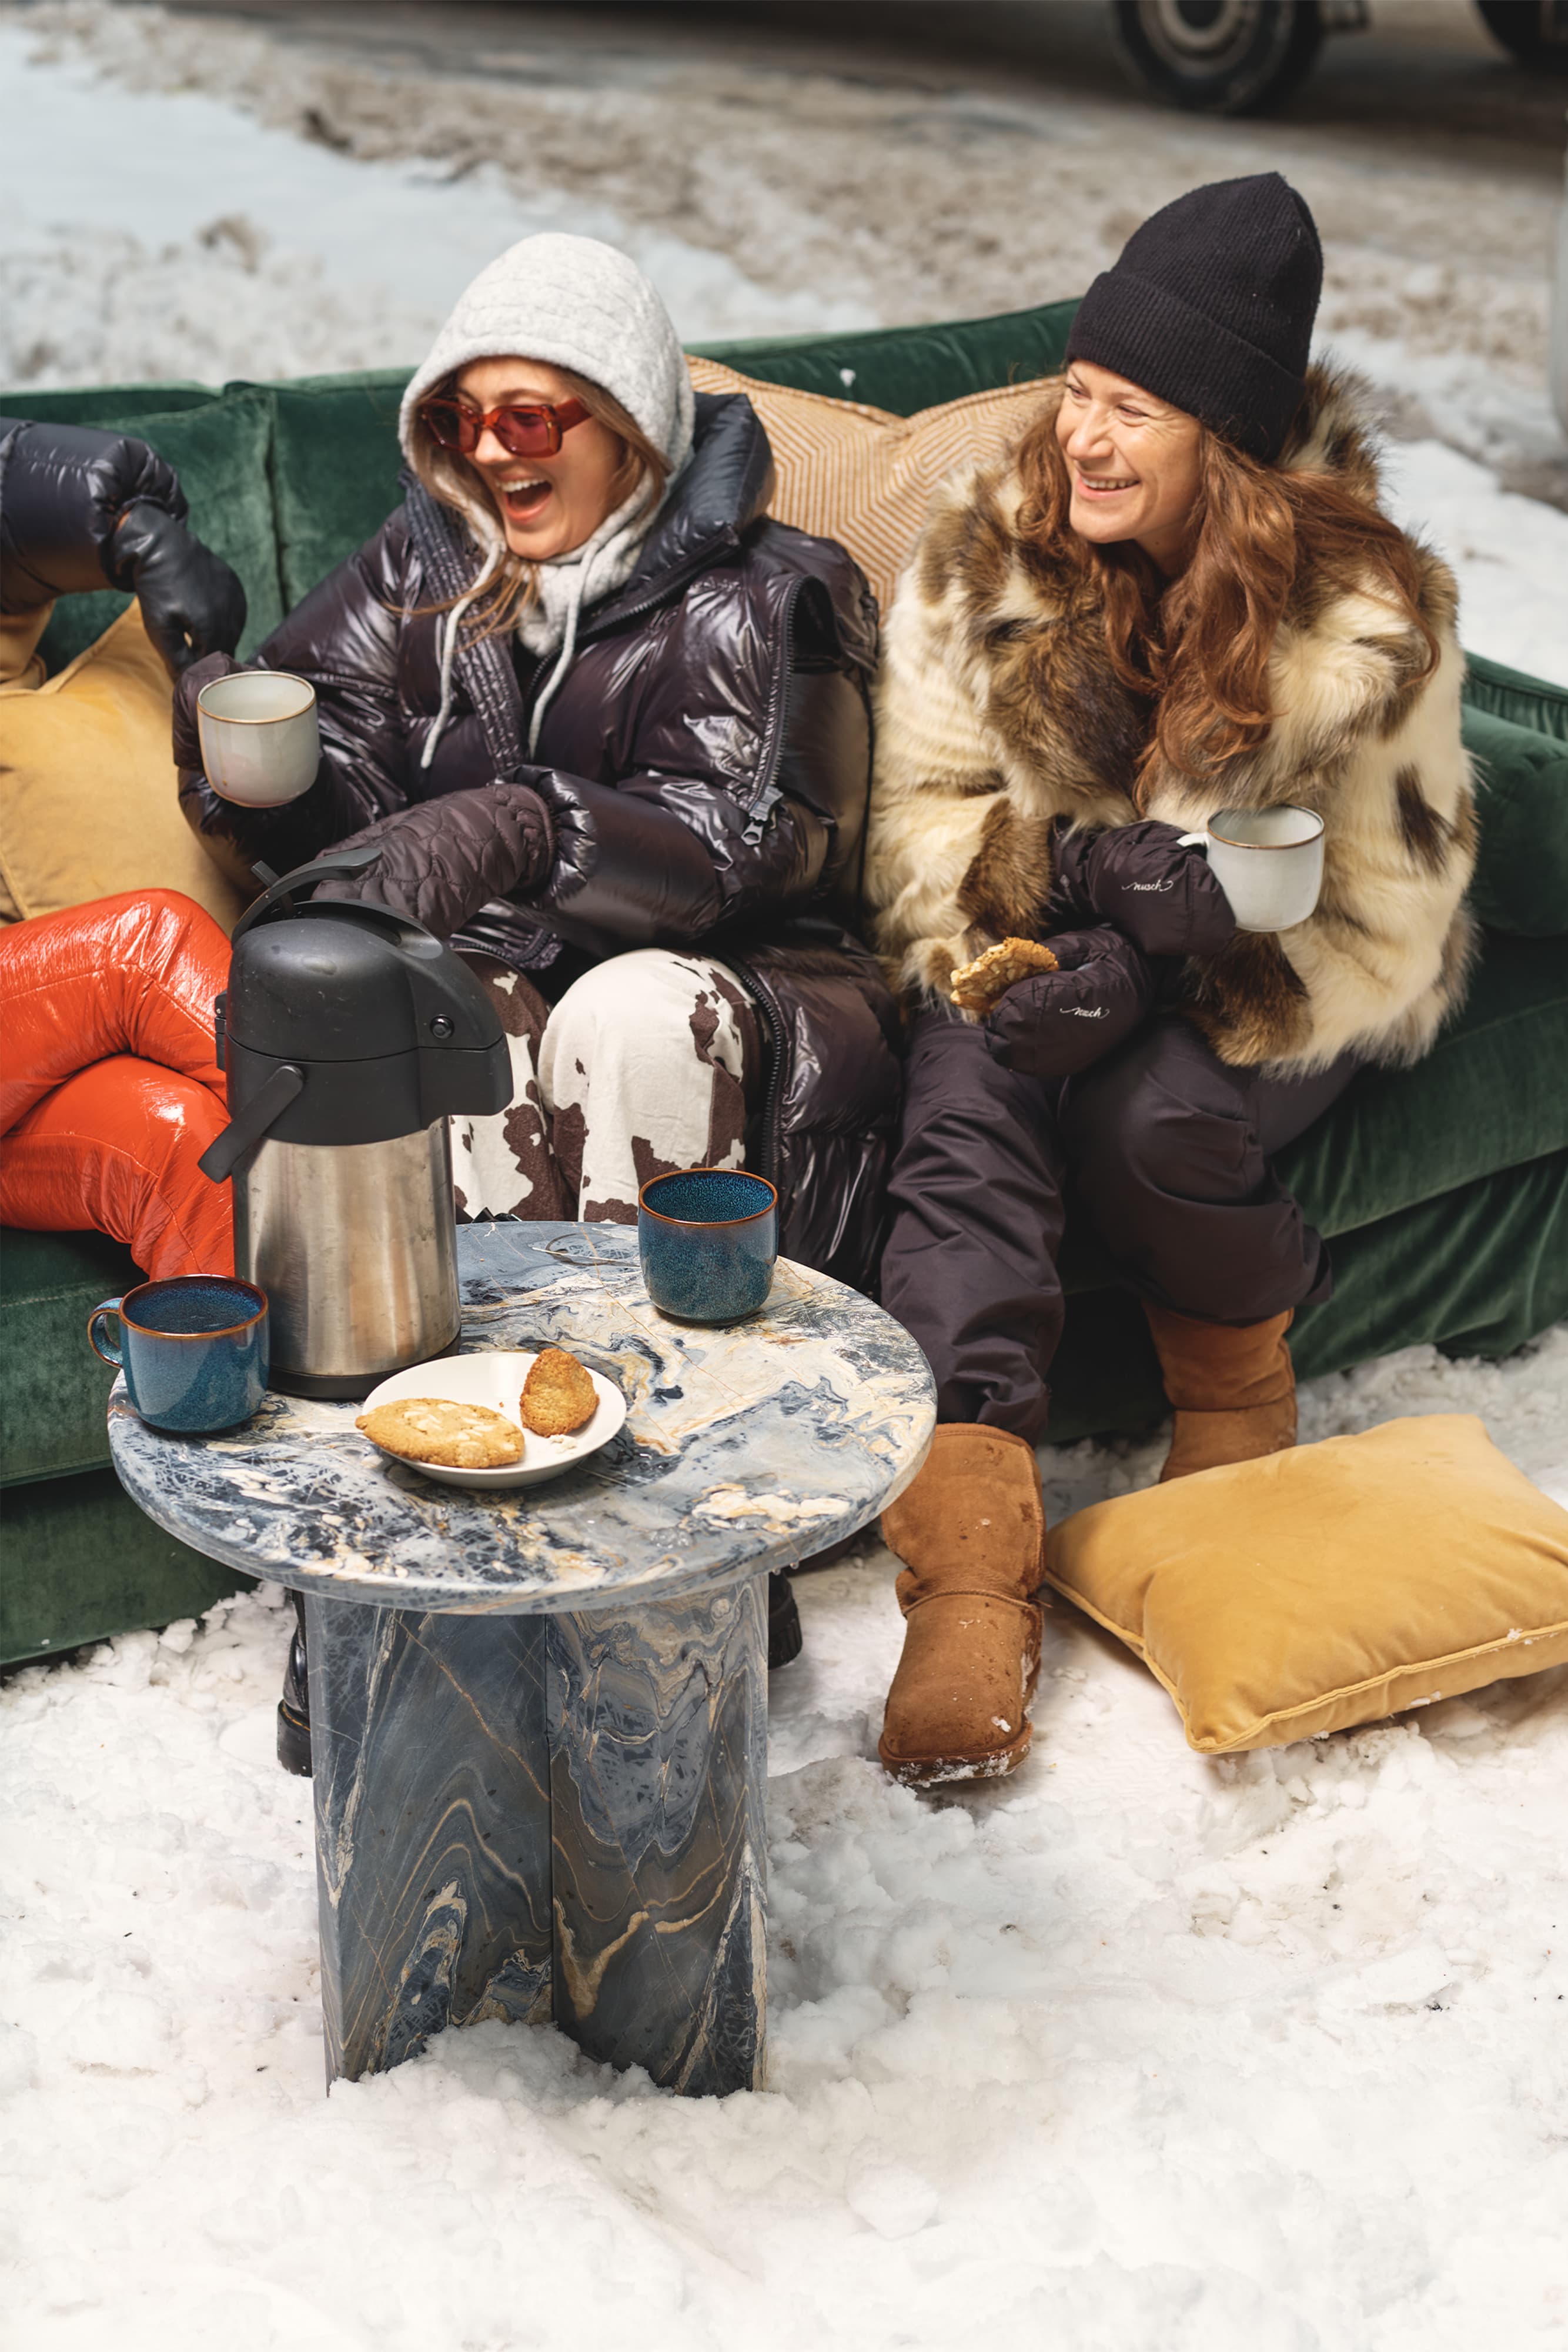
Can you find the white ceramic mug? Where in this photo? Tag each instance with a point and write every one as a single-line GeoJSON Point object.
{"type": "Point", "coordinates": [261, 744]}
{"type": "Point", "coordinates": [1269, 863]}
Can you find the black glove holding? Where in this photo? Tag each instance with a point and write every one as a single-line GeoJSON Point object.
{"type": "Point", "coordinates": [1055, 1024]}
{"type": "Point", "coordinates": [1139, 877]}
{"type": "Point", "coordinates": [192, 602]}
{"type": "Point", "coordinates": [442, 860]}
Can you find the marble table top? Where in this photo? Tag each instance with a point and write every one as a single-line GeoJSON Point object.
{"type": "Point", "coordinates": [744, 1448]}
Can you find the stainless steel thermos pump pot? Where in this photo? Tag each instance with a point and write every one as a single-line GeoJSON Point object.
{"type": "Point", "coordinates": [348, 1036]}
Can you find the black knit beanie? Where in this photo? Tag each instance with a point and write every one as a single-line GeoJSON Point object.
{"type": "Point", "coordinates": [1211, 307]}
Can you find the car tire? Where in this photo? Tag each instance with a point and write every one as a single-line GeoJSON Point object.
{"type": "Point", "coordinates": [1219, 56]}
{"type": "Point", "coordinates": [1516, 24]}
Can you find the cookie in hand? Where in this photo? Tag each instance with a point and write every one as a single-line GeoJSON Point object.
{"type": "Point", "coordinates": [976, 986]}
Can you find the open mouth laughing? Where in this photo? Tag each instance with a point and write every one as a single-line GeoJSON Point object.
{"type": "Point", "coordinates": [524, 498]}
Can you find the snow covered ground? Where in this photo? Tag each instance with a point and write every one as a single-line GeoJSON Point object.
{"type": "Point", "coordinates": [187, 196]}
{"type": "Point", "coordinates": [1135, 2050]}
{"type": "Point", "coordinates": [1134, 2053]}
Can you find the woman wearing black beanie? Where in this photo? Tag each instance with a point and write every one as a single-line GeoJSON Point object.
{"type": "Point", "coordinates": [1176, 595]}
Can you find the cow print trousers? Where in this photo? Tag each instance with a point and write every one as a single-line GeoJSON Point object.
{"type": "Point", "coordinates": [648, 1062]}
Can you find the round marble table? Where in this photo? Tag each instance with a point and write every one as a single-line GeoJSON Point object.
{"type": "Point", "coordinates": [538, 1718]}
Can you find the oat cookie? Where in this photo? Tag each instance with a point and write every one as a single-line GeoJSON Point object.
{"type": "Point", "coordinates": [557, 1395]}
{"type": "Point", "coordinates": [434, 1429]}
{"type": "Point", "coordinates": [977, 985]}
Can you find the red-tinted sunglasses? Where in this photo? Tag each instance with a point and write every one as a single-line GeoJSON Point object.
{"type": "Point", "coordinates": [530, 430]}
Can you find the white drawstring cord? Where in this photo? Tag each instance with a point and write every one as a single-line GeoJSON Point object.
{"type": "Point", "coordinates": [596, 570]}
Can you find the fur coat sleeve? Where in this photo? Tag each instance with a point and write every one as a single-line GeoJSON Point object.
{"type": "Point", "coordinates": [999, 713]}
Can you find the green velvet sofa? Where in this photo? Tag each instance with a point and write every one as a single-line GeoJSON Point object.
{"type": "Point", "coordinates": [1444, 1188]}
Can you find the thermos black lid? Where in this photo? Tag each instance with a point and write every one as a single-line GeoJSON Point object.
{"type": "Point", "coordinates": [333, 983]}
{"type": "Point", "coordinates": [346, 1023]}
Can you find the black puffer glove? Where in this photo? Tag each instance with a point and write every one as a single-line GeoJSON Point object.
{"type": "Point", "coordinates": [1055, 1024]}
{"type": "Point", "coordinates": [192, 602]}
{"type": "Point", "coordinates": [188, 685]}
{"type": "Point", "coordinates": [1164, 898]}
{"type": "Point", "coordinates": [66, 488]}
{"type": "Point", "coordinates": [441, 860]}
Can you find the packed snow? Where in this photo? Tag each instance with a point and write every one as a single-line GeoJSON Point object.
{"type": "Point", "coordinates": [185, 197]}
{"type": "Point", "coordinates": [1134, 2051]}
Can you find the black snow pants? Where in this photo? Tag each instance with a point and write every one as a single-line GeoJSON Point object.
{"type": "Point", "coordinates": [1162, 1147]}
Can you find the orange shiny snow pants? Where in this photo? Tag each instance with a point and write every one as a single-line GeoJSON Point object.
{"type": "Point", "coordinates": [109, 1088]}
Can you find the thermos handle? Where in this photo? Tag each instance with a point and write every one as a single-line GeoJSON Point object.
{"type": "Point", "coordinates": [320, 869]}
{"type": "Point", "coordinates": [106, 1348]}
{"type": "Point", "coordinates": [224, 1154]}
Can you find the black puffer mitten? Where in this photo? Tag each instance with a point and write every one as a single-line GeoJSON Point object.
{"type": "Point", "coordinates": [1164, 897]}
{"type": "Point", "coordinates": [442, 859]}
{"type": "Point", "coordinates": [1055, 1024]}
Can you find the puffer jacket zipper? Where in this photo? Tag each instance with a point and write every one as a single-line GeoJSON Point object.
{"type": "Point", "coordinates": [765, 796]}
{"type": "Point", "coordinates": [764, 1160]}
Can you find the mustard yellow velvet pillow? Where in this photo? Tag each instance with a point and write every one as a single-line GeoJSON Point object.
{"type": "Point", "coordinates": [863, 476]}
{"type": "Point", "coordinates": [89, 791]}
{"type": "Point", "coordinates": [1328, 1586]}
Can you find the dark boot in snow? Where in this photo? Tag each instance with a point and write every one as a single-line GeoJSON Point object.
{"type": "Point", "coordinates": [785, 1639]}
{"type": "Point", "coordinates": [294, 1706]}
{"type": "Point", "coordinates": [1233, 1387]}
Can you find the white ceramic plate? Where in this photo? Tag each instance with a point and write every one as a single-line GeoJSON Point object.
{"type": "Point", "coordinates": [494, 1377]}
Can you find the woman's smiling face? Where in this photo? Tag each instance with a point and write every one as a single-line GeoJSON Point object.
{"type": "Point", "coordinates": [548, 506]}
{"type": "Point", "coordinates": [1135, 462]}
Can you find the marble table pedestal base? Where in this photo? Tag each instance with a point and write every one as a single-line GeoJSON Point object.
{"type": "Point", "coordinates": [545, 1816]}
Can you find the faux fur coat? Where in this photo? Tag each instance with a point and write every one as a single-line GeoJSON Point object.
{"type": "Point", "coordinates": [999, 713]}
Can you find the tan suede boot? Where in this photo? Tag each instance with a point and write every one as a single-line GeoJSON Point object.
{"type": "Point", "coordinates": [971, 1530]}
{"type": "Point", "coordinates": [1233, 1387]}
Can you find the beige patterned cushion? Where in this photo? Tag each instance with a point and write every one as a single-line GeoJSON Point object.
{"type": "Point", "coordinates": [863, 476]}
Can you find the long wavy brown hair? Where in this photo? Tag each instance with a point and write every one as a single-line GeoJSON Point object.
{"type": "Point", "coordinates": [1198, 645]}
{"type": "Point", "coordinates": [451, 479]}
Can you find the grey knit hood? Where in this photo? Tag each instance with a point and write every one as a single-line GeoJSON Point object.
{"type": "Point", "coordinates": [575, 303]}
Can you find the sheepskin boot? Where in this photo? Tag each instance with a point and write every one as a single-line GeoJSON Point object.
{"type": "Point", "coordinates": [1233, 1388]}
{"type": "Point", "coordinates": [971, 1532]}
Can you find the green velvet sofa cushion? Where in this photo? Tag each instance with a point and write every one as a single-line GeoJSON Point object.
{"type": "Point", "coordinates": [1511, 694]}
{"type": "Point", "coordinates": [53, 1392]}
{"type": "Point", "coordinates": [335, 469]}
{"type": "Point", "coordinates": [1522, 871]}
{"type": "Point", "coordinates": [91, 404]}
{"type": "Point", "coordinates": [1490, 1095]}
{"type": "Point", "coordinates": [222, 451]}
{"type": "Point", "coordinates": [83, 1562]}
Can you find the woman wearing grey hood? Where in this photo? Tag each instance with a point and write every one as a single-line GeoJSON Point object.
{"type": "Point", "coordinates": [607, 725]}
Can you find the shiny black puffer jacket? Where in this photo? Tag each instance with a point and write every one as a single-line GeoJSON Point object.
{"type": "Point", "coordinates": [705, 764]}
{"type": "Point", "coordinates": [82, 509]}
{"type": "Point", "coordinates": [63, 492]}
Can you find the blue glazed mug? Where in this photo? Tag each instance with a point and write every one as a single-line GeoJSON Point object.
{"type": "Point", "coordinates": [710, 1240]}
{"type": "Point", "coordinates": [194, 1350]}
